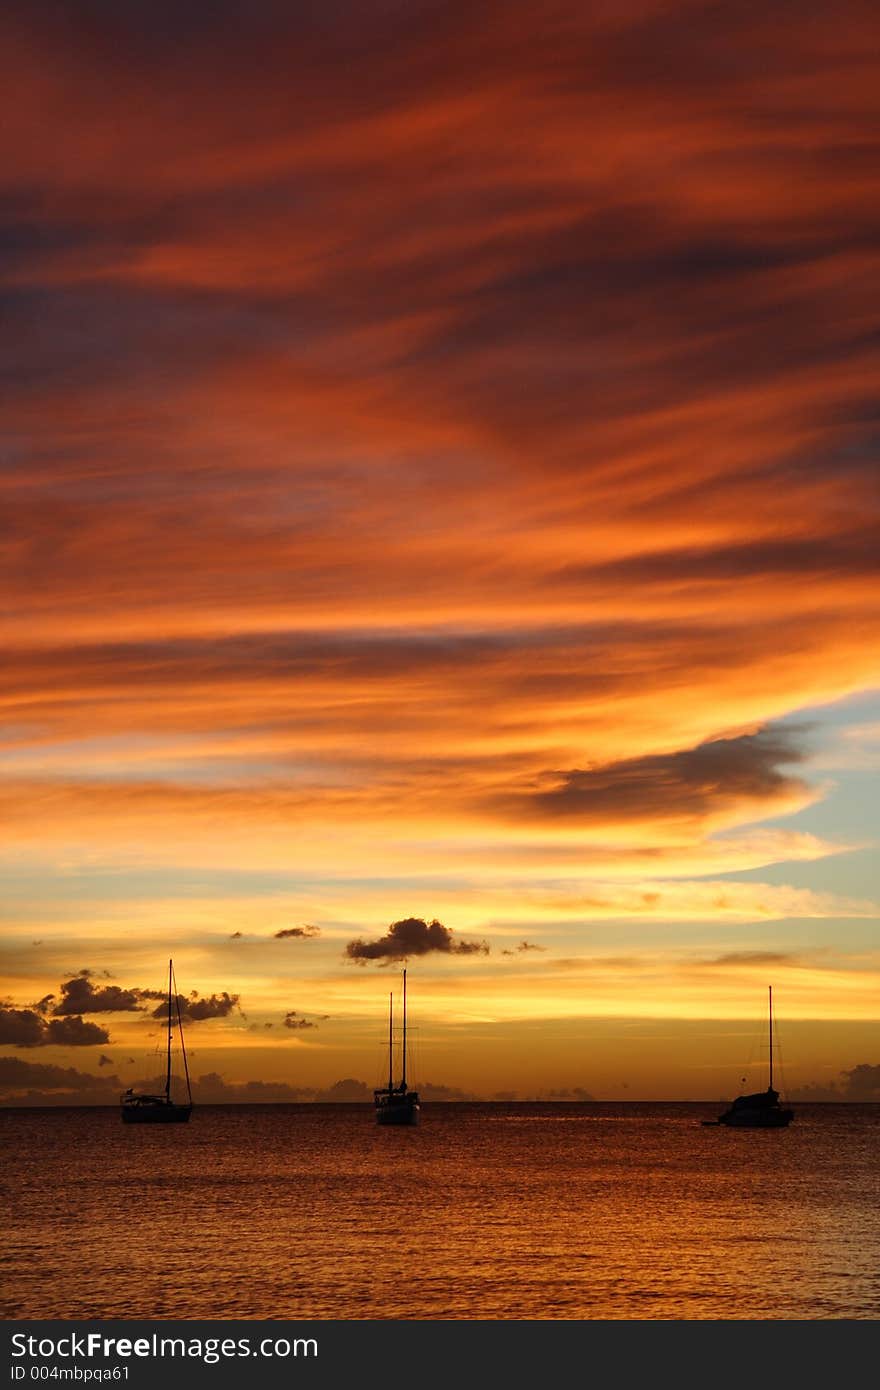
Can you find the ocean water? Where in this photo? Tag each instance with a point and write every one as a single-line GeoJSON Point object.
{"type": "Point", "coordinates": [530, 1211]}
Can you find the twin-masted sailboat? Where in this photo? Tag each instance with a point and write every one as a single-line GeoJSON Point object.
{"type": "Point", "coordinates": [396, 1105]}
{"type": "Point", "coordinates": [139, 1108]}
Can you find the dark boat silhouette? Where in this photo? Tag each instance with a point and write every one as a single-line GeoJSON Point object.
{"type": "Point", "coordinates": [762, 1109]}
{"type": "Point", "coordinates": [396, 1105]}
{"type": "Point", "coordinates": [141, 1108]}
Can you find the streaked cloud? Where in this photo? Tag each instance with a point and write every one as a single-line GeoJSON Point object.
{"type": "Point", "coordinates": [726, 779]}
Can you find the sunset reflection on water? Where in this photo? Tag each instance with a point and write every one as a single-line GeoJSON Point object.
{"type": "Point", "coordinates": [485, 1211]}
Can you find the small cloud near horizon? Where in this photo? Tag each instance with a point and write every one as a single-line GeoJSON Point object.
{"type": "Point", "coordinates": [295, 1020]}
{"type": "Point", "coordinates": [861, 1084]}
{"type": "Point", "coordinates": [412, 936]}
{"type": "Point", "coordinates": [196, 1010]}
{"type": "Point", "coordinates": [569, 1093]}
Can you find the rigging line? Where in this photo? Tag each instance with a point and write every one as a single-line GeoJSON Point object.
{"type": "Point", "coordinates": [780, 1061]}
{"type": "Point", "coordinates": [403, 1047]}
{"type": "Point", "coordinates": [168, 1066]}
{"type": "Point", "coordinates": [182, 1043]}
{"type": "Point", "coordinates": [390, 1042]}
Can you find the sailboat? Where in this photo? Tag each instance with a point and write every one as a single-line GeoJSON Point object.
{"type": "Point", "coordinates": [138, 1108]}
{"type": "Point", "coordinates": [396, 1105]}
{"type": "Point", "coordinates": [761, 1110]}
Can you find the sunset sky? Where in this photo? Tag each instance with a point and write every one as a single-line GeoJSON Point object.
{"type": "Point", "coordinates": [440, 482]}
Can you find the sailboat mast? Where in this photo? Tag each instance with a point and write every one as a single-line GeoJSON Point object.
{"type": "Point", "coordinates": [770, 994]}
{"type": "Point", "coordinates": [403, 1073]}
{"type": "Point", "coordinates": [391, 1042]}
{"type": "Point", "coordinates": [168, 1068]}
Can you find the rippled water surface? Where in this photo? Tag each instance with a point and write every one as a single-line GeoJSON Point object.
{"type": "Point", "coordinates": [483, 1211]}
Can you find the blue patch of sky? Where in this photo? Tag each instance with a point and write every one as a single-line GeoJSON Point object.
{"type": "Point", "coordinates": [846, 814]}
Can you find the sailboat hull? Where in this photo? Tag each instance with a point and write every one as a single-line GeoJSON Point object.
{"type": "Point", "coordinates": [399, 1115]}
{"type": "Point", "coordinates": [757, 1119]}
{"type": "Point", "coordinates": [156, 1114]}
{"type": "Point", "coordinates": [409, 1116]}
{"type": "Point", "coordinates": [394, 1108]}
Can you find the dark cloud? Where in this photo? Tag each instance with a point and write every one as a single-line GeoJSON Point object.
{"type": "Point", "coordinates": [854, 552]}
{"type": "Point", "coordinates": [59, 1021]}
{"type": "Point", "coordinates": [523, 946]}
{"type": "Point", "coordinates": [859, 1085]}
{"type": "Point", "coordinates": [863, 1082]}
{"type": "Point", "coordinates": [295, 1020]}
{"type": "Point", "coordinates": [38, 1083]}
{"type": "Point", "coordinates": [104, 1060]}
{"type": "Point", "coordinates": [195, 1010]}
{"type": "Point", "coordinates": [212, 1089]}
{"type": "Point", "coordinates": [22, 1028]}
{"type": "Point", "coordinates": [75, 1032]}
{"type": "Point", "coordinates": [569, 1093]}
{"type": "Point", "coordinates": [433, 1090]}
{"type": "Point", "coordinates": [541, 659]}
{"type": "Point", "coordinates": [693, 783]}
{"type": "Point", "coordinates": [80, 996]}
{"type": "Point", "coordinates": [305, 931]}
{"type": "Point", "coordinates": [235, 936]}
{"type": "Point", "coordinates": [346, 1090]}
{"type": "Point", "coordinates": [34, 1083]}
{"type": "Point", "coordinates": [413, 936]}
{"type": "Point", "coordinates": [27, 1028]}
